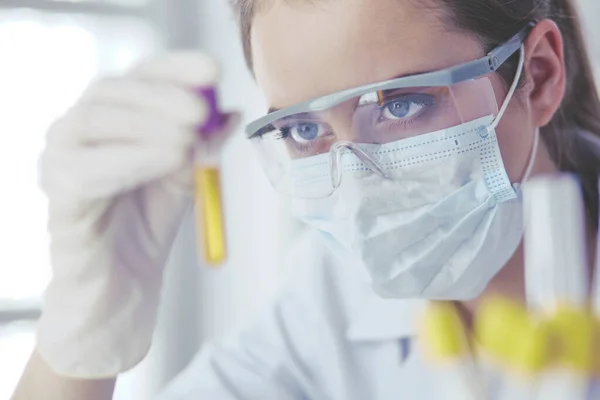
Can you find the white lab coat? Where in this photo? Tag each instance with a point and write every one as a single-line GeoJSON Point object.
{"type": "Point", "coordinates": [327, 336]}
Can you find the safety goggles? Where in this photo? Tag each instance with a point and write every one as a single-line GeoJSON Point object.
{"type": "Point", "coordinates": [320, 131]}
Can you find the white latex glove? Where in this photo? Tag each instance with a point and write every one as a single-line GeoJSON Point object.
{"type": "Point", "coordinates": [117, 171]}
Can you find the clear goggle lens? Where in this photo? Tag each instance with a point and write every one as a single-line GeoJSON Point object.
{"type": "Point", "coordinates": [297, 142]}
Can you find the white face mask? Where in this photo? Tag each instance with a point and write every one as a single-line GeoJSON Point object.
{"type": "Point", "coordinates": [441, 227]}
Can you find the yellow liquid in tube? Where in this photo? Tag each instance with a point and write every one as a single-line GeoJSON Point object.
{"type": "Point", "coordinates": [209, 214]}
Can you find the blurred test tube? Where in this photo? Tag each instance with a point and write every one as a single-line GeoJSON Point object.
{"type": "Point", "coordinates": [557, 280]}
{"type": "Point", "coordinates": [594, 390]}
{"type": "Point", "coordinates": [512, 346]}
{"type": "Point", "coordinates": [446, 342]}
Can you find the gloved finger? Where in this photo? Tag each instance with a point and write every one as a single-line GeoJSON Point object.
{"type": "Point", "coordinates": [100, 124]}
{"type": "Point", "coordinates": [155, 201]}
{"type": "Point", "coordinates": [179, 104]}
{"type": "Point", "coordinates": [102, 172]}
{"type": "Point", "coordinates": [185, 68]}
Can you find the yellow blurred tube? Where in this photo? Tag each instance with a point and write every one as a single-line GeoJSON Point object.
{"type": "Point", "coordinates": [446, 343]}
{"type": "Point", "coordinates": [512, 338]}
{"type": "Point", "coordinates": [513, 344]}
{"type": "Point", "coordinates": [444, 333]}
{"type": "Point", "coordinates": [572, 329]}
{"type": "Point", "coordinates": [209, 214]}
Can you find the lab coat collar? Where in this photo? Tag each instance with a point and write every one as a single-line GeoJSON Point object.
{"type": "Point", "coordinates": [385, 319]}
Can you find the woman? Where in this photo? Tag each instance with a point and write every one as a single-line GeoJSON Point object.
{"type": "Point", "coordinates": [408, 164]}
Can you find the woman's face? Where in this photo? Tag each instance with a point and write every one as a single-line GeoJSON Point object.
{"type": "Point", "coordinates": [305, 49]}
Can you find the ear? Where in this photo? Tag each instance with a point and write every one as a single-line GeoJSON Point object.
{"type": "Point", "coordinates": [545, 71]}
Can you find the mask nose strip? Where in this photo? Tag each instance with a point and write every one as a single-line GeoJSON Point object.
{"type": "Point", "coordinates": [336, 152]}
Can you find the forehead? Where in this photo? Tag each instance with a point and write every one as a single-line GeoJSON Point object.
{"type": "Point", "coordinates": [305, 49]}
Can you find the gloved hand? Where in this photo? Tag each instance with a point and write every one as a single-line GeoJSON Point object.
{"type": "Point", "coordinates": [117, 171]}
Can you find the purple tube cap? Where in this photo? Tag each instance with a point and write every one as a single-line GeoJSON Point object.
{"type": "Point", "coordinates": [215, 121]}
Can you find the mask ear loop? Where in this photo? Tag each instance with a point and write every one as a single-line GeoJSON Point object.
{"type": "Point", "coordinates": [532, 156]}
{"type": "Point", "coordinates": [336, 159]}
{"type": "Point", "coordinates": [511, 91]}
{"type": "Point", "coordinates": [502, 111]}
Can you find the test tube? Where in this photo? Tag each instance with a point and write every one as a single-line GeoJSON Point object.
{"type": "Point", "coordinates": [515, 347]}
{"type": "Point", "coordinates": [556, 280]}
{"type": "Point", "coordinates": [596, 288]}
{"type": "Point", "coordinates": [555, 252]}
{"type": "Point", "coordinates": [594, 389]}
{"type": "Point", "coordinates": [447, 344]}
{"type": "Point", "coordinates": [210, 228]}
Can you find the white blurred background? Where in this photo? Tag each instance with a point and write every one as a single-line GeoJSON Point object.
{"type": "Point", "coordinates": [49, 52]}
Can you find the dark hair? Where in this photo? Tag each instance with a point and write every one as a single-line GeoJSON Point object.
{"type": "Point", "coordinates": [495, 21]}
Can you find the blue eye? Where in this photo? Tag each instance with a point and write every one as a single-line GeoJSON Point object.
{"type": "Point", "coordinates": [405, 106]}
{"type": "Point", "coordinates": [306, 131]}
{"type": "Point", "coordinates": [399, 109]}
